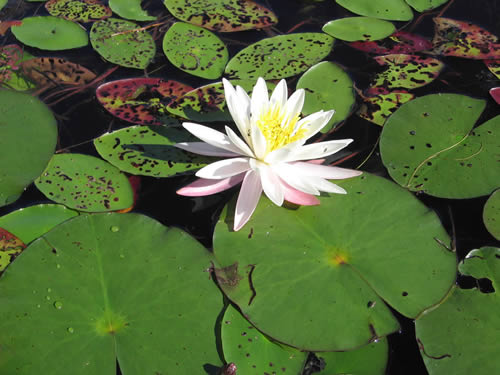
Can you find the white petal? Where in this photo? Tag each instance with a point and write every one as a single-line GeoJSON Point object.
{"type": "Point", "coordinates": [296, 181]}
{"type": "Point", "coordinates": [271, 184]}
{"type": "Point", "coordinates": [279, 95]}
{"type": "Point", "coordinates": [317, 150]}
{"type": "Point", "coordinates": [238, 108]}
{"type": "Point", "coordinates": [260, 101]}
{"type": "Point", "coordinates": [282, 153]}
{"type": "Point", "coordinates": [295, 104]}
{"type": "Point", "coordinates": [202, 148]}
{"type": "Point", "coordinates": [224, 168]}
{"type": "Point", "coordinates": [322, 171]}
{"type": "Point", "coordinates": [326, 186]}
{"type": "Point", "coordinates": [259, 142]}
{"type": "Point", "coordinates": [211, 136]}
{"type": "Point", "coordinates": [314, 123]}
{"type": "Point", "coordinates": [245, 150]}
{"type": "Point", "coordinates": [248, 198]}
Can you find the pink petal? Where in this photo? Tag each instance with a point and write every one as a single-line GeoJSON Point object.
{"type": "Point", "coordinates": [295, 196]}
{"type": "Point", "coordinates": [205, 186]}
{"type": "Point", "coordinates": [249, 196]}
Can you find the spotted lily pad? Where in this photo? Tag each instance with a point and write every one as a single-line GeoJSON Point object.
{"type": "Point", "coordinates": [29, 136]}
{"type": "Point", "coordinates": [364, 259]}
{"type": "Point", "coordinates": [222, 15]}
{"type": "Point", "coordinates": [327, 86]}
{"type": "Point", "coordinates": [394, 10]}
{"type": "Point", "coordinates": [130, 9]}
{"type": "Point", "coordinates": [359, 28]}
{"type": "Point", "coordinates": [399, 42]}
{"type": "Point", "coordinates": [85, 183]}
{"type": "Point", "coordinates": [10, 248]}
{"type": "Point", "coordinates": [148, 151]}
{"type": "Point", "coordinates": [78, 10]}
{"type": "Point", "coordinates": [378, 108]}
{"type": "Point", "coordinates": [493, 66]}
{"type": "Point", "coordinates": [425, 5]}
{"type": "Point", "coordinates": [123, 43]}
{"type": "Point", "coordinates": [81, 288]}
{"type": "Point", "coordinates": [491, 214]}
{"type": "Point", "coordinates": [429, 145]}
{"type": "Point", "coordinates": [280, 56]}
{"type": "Point", "coordinates": [461, 336]}
{"type": "Point", "coordinates": [140, 100]}
{"type": "Point", "coordinates": [50, 33]}
{"type": "Point", "coordinates": [253, 352]}
{"type": "Point", "coordinates": [464, 39]}
{"type": "Point", "coordinates": [195, 50]}
{"type": "Point", "coordinates": [10, 60]}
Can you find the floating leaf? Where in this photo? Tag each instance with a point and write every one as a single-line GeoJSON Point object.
{"type": "Point", "coordinates": [425, 5]}
{"type": "Point", "coordinates": [222, 15]}
{"type": "Point", "coordinates": [332, 266]}
{"type": "Point", "coordinates": [3, 3]}
{"type": "Point", "coordinates": [280, 56]}
{"type": "Point", "coordinates": [493, 66]}
{"type": "Point", "coordinates": [10, 59]}
{"type": "Point", "coordinates": [370, 359]}
{"type": "Point", "coordinates": [10, 248]}
{"type": "Point", "coordinates": [253, 352]}
{"type": "Point", "coordinates": [195, 50]}
{"type": "Point", "coordinates": [378, 108]}
{"type": "Point", "coordinates": [495, 94]}
{"type": "Point", "coordinates": [491, 214]}
{"type": "Point", "coordinates": [105, 289]}
{"type": "Point", "coordinates": [53, 71]}
{"type": "Point", "coordinates": [6, 25]}
{"type": "Point", "coordinates": [78, 10]}
{"type": "Point", "coordinates": [429, 145]}
{"type": "Point", "coordinates": [148, 151]}
{"type": "Point", "coordinates": [359, 28]}
{"type": "Point", "coordinates": [29, 223]}
{"type": "Point", "coordinates": [394, 10]}
{"type": "Point", "coordinates": [399, 42]}
{"type": "Point", "coordinates": [406, 71]}
{"type": "Point", "coordinates": [29, 135]}
{"type": "Point", "coordinates": [130, 9]}
{"type": "Point", "coordinates": [140, 100]}
{"type": "Point", "coordinates": [327, 87]}
{"type": "Point", "coordinates": [461, 336]}
{"type": "Point", "coordinates": [123, 43]}
{"type": "Point", "coordinates": [85, 183]}
{"type": "Point", "coordinates": [463, 39]}
{"type": "Point", "coordinates": [50, 33]}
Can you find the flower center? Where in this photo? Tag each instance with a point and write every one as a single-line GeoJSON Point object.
{"type": "Point", "coordinates": [278, 129]}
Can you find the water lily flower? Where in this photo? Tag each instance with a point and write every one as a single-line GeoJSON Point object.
{"type": "Point", "coordinates": [270, 156]}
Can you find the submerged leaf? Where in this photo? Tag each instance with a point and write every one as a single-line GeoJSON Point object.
{"type": "Point", "coordinates": [78, 10]}
{"type": "Point", "coordinates": [10, 59]}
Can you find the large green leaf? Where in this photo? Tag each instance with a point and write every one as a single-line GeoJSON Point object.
{"type": "Point", "coordinates": [85, 183]}
{"type": "Point", "coordinates": [424, 5]}
{"type": "Point", "coordinates": [491, 214]}
{"type": "Point", "coordinates": [50, 33]}
{"type": "Point", "coordinates": [394, 10]}
{"type": "Point", "coordinates": [429, 145]}
{"type": "Point", "coordinates": [328, 269]}
{"type": "Point", "coordinates": [359, 28]}
{"type": "Point", "coordinates": [122, 42]}
{"type": "Point", "coordinates": [195, 50]}
{"type": "Point", "coordinates": [130, 9]}
{"type": "Point", "coordinates": [29, 135]}
{"type": "Point", "coordinates": [148, 151]}
{"type": "Point", "coordinates": [460, 337]}
{"type": "Point", "coordinates": [280, 56]}
{"type": "Point", "coordinates": [327, 87]}
{"type": "Point", "coordinates": [103, 288]}
{"type": "Point", "coordinates": [78, 10]}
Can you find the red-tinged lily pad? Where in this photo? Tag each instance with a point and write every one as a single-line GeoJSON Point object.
{"type": "Point", "coordinates": [493, 66]}
{"type": "Point", "coordinates": [463, 39]}
{"type": "Point", "coordinates": [140, 100]}
{"type": "Point", "coordinates": [222, 15]}
{"type": "Point", "coordinates": [399, 42]}
{"type": "Point", "coordinates": [406, 71]}
{"type": "Point", "coordinates": [53, 71]}
{"type": "Point", "coordinates": [495, 93]}
{"type": "Point", "coordinates": [378, 108]}
{"type": "Point", "coordinates": [78, 10]}
{"type": "Point", "coordinates": [5, 25]}
{"type": "Point", "coordinates": [10, 247]}
{"type": "Point", "coordinates": [10, 59]}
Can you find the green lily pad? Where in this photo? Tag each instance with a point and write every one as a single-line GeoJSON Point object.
{"type": "Point", "coordinates": [123, 43]}
{"type": "Point", "coordinates": [195, 50]}
{"type": "Point", "coordinates": [379, 108]}
{"type": "Point", "coordinates": [222, 15]}
{"type": "Point", "coordinates": [148, 151]}
{"type": "Point", "coordinates": [253, 352]}
{"type": "Point", "coordinates": [429, 145]}
{"type": "Point", "coordinates": [85, 183]}
{"type": "Point", "coordinates": [29, 136]}
{"type": "Point", "coordinates": [461, 336]}
{"type": "Point", "coordinates": [130, 9]}
{"type": "Point", "coordinates": [491, 214]}
{"type": "Point", "coordinates": [359, 28]}
{"type": "Point", "coordinates": [425, 5]}
{"type": "Point", "coordinates": [3, 3]}
{"type": "Point", "coordinates": [280, 56]}
{"type": "Point", "coordinates": [29, 223]}
{"type": "Point", "coordinates": [327, 87]}
{"type": "Point", "coordinates": [393, 10]}
{"type": "Point", "coordinates": [108, 288]}
{"type": "Point", "coordinates": [10, 247]}
{"type": "Point", "coordinates": [78, 10]}
{"type": "Point", "coordinates": [370, 359]}
{"type": "Point", "coordinates": [332, 266]}
{"type": "Point", "coordinates": [50, 33]}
